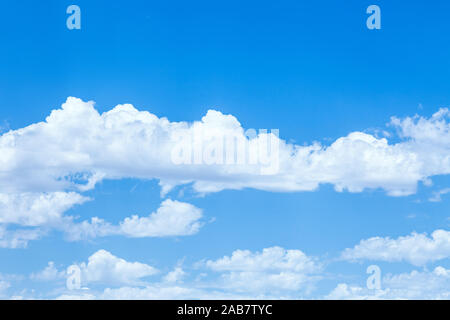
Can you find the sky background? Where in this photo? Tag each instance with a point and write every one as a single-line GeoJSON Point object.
{"type": "Point", "coordinates": [312, 69]}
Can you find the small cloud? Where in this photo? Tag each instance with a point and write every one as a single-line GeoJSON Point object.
{"type": "Point", "coordinates": [436, 197]}
{"type": "Point", "coordinates": [50, 273]}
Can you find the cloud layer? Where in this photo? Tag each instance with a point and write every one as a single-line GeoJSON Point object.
{"type": "Point", "coordinates": [272, 273]}
{"type": "Point", "coordinates": [46, 166]}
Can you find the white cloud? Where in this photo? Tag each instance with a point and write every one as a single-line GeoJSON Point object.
{"type": "Point", "coordinates": [18, 238]}
{"type": "Point", "coordinates": [417, 249]}
{"type": "Point", "coordinates": [269, 274]}
{"type": "Point", "coordinates": [175, 275]}
{"type": "Point", "coordinates": [42, 212]}
{"type": "Point", "coordinates": [173, 218]}
{"type": "Point", "coordinates": [49, 273]}
{"type": "Point", "coordinates": [273, 273]}
{"type": "Point", "coordinates": [343, 291]}
{"type": "Point", "coordinates": [37, 209]}
{"type": "Point", "coordinates": [84, 230]}
{"type": "Point", "coordinates": [437, 195]}
{"type": "Point", "coordinates": [274, 258]}
{"type": "Point", "coordinates": [105, 268]}
{"type": "Point", "coordinates": [77, 144]}
{"type": "Point", "coordinates": [274, 268]}
{"type": "Point", "coordinates": [415, 285]}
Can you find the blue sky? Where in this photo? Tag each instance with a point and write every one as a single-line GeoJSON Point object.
{"type": "Point", "coordinates": [310, 69]}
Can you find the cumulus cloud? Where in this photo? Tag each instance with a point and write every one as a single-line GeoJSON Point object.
{"type": "Point", "coordinates": [76, 147]}
{"type": "Point", "coordinates": [274, 258]}
{"type": "Point", "coordinates": [105, 268]}
{"type": "Point", "coordinates": [37, 209]}
{"type": "Point", "coordinates": [272, 273]}
{"type": "Point", "coordinates": [173, 218]}
{"type": "Point", "coordinates": [274, 268]}
{"type": "Point", "coordinates": [417, 249]}
{"type": "Point", "coordinates": [414, 285]}
{"type": "Point", "coordinates": [45, 211]}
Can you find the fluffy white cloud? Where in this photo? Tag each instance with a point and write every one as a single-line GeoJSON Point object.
{"type": "Point", "coordinates": [37, 209]}
{"type": "Point", "coordinates": [105, 268]}
{"type": "Point", "coordinates": [269, 274]}
{"type": "Point", "coordinates": [417, 249]}
{"type": "Point", "coordinates": [414, 285]}
{"type": "Point", "coordinates": [273, 273]}
{"type": "Point", "coordinates": [274, 268]}
{"type": "Point", "coordinates": [274, 258]}
{"type": "Point", "coordinates": [173, 218]}
{"type": "Point", "coordinates": [76, 147]}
